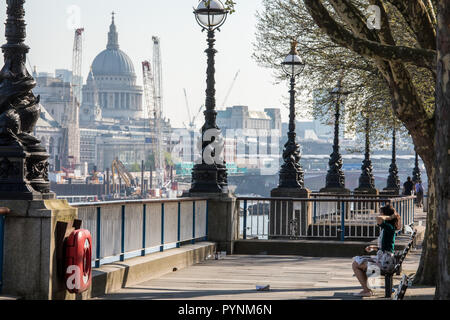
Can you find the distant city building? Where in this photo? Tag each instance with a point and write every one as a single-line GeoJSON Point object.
{"type": "Point", "coordinates": [56, 98]}
{"type": "Point", "coordinates": [128, 141]}
{"type": "Point", "coordinates": [67, 76]}
{"type": "Point", "coordinates": [55, 94]}
{"type": "Point", "coordinates": [49, 132]}
{"type": "Point", "coordinates": [64, 74]}
{"type": "Point", "coordinates": [310, 130]}
{"type": "Point", "coordinates": [240, 117]}
{"type": "Point", "coordinates": [251, 137]}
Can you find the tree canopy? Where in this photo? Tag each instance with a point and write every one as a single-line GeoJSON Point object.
{"type": "Point", "coordinates": [283, 20]}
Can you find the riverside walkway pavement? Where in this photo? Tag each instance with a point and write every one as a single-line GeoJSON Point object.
{"type": "Point", "coordinates": [290, 277]}
{"type": "Point", "coordinates": [236, 277]}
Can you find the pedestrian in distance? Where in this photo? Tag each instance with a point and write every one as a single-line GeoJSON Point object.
{"type": "Point", "coordinates": [408, 187]}
{"type": "Point", "coordinates": [419, 194]}
{"type": "Point", "coordinates": [389, 221]}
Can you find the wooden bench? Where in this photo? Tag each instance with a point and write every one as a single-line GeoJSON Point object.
{"type": "Point", "coordinates": [389, 276]}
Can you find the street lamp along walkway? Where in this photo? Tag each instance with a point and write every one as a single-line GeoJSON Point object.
{"type": "Point", "coordinates": [210, 176]}
{"type": "Point", "coordinates": [393, 182]}
{"type": "Point", "coordinates": [291, 180]}
{"type": "Point", "coordinates": [335, 179]}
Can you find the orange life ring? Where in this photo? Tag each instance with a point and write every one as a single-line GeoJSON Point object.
{"type": "Point", "coordinates": [78, 266]}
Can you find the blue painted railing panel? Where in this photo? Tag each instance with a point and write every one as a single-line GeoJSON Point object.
{"type": "Point", "coordinates": [140, 243]}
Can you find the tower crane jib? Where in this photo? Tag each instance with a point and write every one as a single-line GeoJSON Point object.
{"type": "Point", "coordinates": [70, 147]}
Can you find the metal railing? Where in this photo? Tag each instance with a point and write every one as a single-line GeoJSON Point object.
{"type": "Point", "coordinates": [126, 229]}
{"type": "Point", "coordinates": [3, 212]}
{"type": "Point", "coordinates": [79, 199]}
{"type": "Point", "coordinates": [318, 217]}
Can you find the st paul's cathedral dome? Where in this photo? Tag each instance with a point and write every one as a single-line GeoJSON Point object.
{"type": "Point", "coordinates": [111, 88]}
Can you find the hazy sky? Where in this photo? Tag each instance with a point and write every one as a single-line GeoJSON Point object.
{"type": "Point", "coordinates": [50, 36]}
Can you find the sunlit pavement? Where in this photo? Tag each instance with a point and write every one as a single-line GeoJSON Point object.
{"type": "Point", "coordinates": [289, 277]}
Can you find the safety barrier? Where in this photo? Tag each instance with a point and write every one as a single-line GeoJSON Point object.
{"type": "Point", "coordinates": [318, 217]}
{"type": "Point", "coordinates": [126, 229]}
{"type": "Point", "coordinates": [79, 199]}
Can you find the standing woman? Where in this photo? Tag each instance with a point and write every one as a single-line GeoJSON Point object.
{"type": "Point", "coordinates": [389, 222]}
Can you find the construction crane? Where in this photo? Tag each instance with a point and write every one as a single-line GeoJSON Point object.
{"type": "Point", "coordinates": [154, 118]}
{"type": "Point", "coordinates": [149, 101]}
{"type": "Point", "coordinates": [70, 146]}
{"type": "Point", "coordinates": [125, 175]}
{"type": "Point", "coordinates": [158, 102]}
{"type": "Point", "coordinates": [157, 66]}
{"type": "Point", "coordinates": [196, 116]}
{"type": "Point", "coordinates": [77, 64]}
{"type": "Point", "coordinates": [231, 88]}
{"type": "Point", "coordinates": [148, 89]}
{"type": "Point", "coordinates": [191, 124]}
{"type": "Point", "coordinates": [191, 127]}
{"type": "Point", "coordinates": [187, 107]}
{"type": "Point", "coordinates": [153, 95]}
{"type": "Point", "coordinates": [191, 119]}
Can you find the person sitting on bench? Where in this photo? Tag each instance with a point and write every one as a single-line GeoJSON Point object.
{"type": "Point", "coordinates": [389, 221]}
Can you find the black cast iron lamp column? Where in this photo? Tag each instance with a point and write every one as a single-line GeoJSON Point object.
{"type": "Point", "coordinates": [366, 179]}
{"type": "Point", "coordinates": [416, 171]}
{"type": "Point", "coordinates": [210, 177]}
{"type": "Point", "coordinates": [335, 180]}
{"type": "Point", "coordinates": [291, 173]}
{"type": "Point", "coordinates": [23, 160]}
{"type": "Point", "coordinates": [393, 182]}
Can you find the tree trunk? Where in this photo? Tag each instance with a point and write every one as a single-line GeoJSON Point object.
{"type": "Point", "coordinates": [427, 271]}
{"type": "Point", "coordinates": [442, 147]}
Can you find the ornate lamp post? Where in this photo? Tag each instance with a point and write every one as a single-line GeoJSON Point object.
{"type": "Point", "coordinates": [335, 180]}
{"type": "Point", "coordinates": [23, 160]}
{"type": "Point", "coordinates": [210, 176]}
{"type": "Point", "coordinates": [291, 173]}
{"type": "Point", "coordinates": [416, 177]}
{"type": "Point", "coordinates": [366, 180]}
{"type": "Point", "coordinates": [393, 182]}
{"type": "Point", "coordinates": [291, 183]}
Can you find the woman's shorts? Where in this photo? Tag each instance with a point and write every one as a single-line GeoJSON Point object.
{"type": "Point", "coordinates": [384, 260]}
